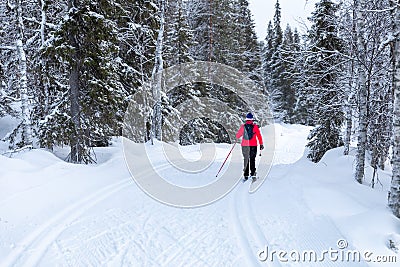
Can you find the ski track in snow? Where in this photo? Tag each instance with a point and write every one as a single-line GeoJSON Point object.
{"type": "Point", "coordinates": [40, 239]}
{"type": "Point", "coordinates": [301, 230]}
{"type": "Point", "coordinates": [251, 238]}
{"type": "Point", "coordinates": [120, 238]}
{"type": "Point", "coordinates": [138, 231]}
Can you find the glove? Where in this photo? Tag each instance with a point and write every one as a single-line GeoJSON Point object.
{"type": "Point", "coordinates": [261, 147]}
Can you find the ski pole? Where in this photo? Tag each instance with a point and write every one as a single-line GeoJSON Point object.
{"type": "Point", "coordinates": [226, 159]}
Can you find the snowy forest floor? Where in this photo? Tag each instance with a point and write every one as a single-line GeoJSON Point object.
{"type": "Point", "coordinates": [53, 213]}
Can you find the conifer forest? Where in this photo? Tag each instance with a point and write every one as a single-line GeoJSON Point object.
{"type": "Point", "coordinates": [68, 70]}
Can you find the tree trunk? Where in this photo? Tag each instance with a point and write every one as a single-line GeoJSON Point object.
{"type": "Point", "coordinates": [76, 155]}
{"type": "Point", "coordinates": [394, 195]}
{"type": "Point", "coordinates": [23, 86]}
{"type": "Point", "coordinates": [363, 97]}
{"type": "Point", "coordinates": [350, 92]}
{"type": "Point", "coordinates": [77, 148]}
{"type": "Point", "coordinates": [349, 126]}
{"type": "Point", "coordinates": [156, 77]}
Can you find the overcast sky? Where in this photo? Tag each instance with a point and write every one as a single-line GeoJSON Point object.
{"type": "Point", "coordinates": [293, 11]}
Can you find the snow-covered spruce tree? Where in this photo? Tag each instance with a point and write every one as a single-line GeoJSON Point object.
{"type": "Point", "coordinates": [201, 23]}
{"type": "Point", "coordinates": [324, 70]}
{"type": "Point", "coordinates": [49, 94]}
{"type": "Point", "coordinates": [5, 100]}
{"type": "Point", "coordinates": [276, 65]}
{"type": "Point", "coordinates": [394, 194]}
{"type": "Point", "coordinates": [223, 32]}
{"type": "Point", "coordinates": [138, 26]}
{"type": "Point", "coordinates": [248, 50]}
{"type": "Point", "coordinates": [267, 53]}
{"type": "Point", "coordinates": [224, 41]}
{"type": "Point", "coordinates": [285, 73]}
{"type": "Point", "coordinates": [91, 110]}
{"type": "Point", "coordinates": [178, 35]}
{"type": "Point", "coordinates": [277, 29]}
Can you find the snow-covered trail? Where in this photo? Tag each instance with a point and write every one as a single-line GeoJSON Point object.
{"type": "Point", "coordinates": [58, 214]}
{"type": "Point", "coordinates": [291, 224]}
{"type": "Point", "coordinates": [251, 238]}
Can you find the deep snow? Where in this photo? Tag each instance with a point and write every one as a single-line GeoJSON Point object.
{"type": "Point", "coordinates": [53, 213]}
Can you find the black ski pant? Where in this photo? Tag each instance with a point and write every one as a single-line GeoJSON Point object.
{"type": "Point", "coordinates": [249, 160]}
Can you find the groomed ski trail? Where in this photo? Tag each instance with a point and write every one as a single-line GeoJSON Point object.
{"type": "Point", "coordinates": [40, 239]}
{"type": "Point", "coordinates": [250, 237]}
{"type": "Point", "coordinates": [298, 228]}
{"type": "Point", "coordinates": [44, 235]}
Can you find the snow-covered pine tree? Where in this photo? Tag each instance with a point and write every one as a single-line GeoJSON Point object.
{"type": "Point", "coordinates": [324, 67]}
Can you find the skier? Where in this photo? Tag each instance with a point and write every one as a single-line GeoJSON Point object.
{"type": "Point", "coordinates": [250, 133]}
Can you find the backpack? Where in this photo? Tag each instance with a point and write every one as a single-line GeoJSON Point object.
{"type": "Point", "coordinates": [248, 131]}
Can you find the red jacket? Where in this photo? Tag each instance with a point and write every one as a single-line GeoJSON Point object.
{"type": "Point", "coordinates": [253, 140]}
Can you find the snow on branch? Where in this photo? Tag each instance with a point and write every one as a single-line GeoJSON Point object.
{"type": "Point", "coordinates": [7, 47]}
{"type": "Point", "coordinates": [50, 25]}
{"type": "Point", "coordinates": [10, 6]}
{"type": "Point", "coordinates": [390, 39]}
{"type": "Point", "coordinates": [379, 10]}
{"type": "Point", "coordinates": [336, 52]}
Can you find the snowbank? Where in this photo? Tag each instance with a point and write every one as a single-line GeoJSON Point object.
{"type": "Point", "coordinates": [56, 213]}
